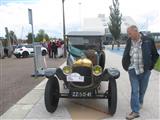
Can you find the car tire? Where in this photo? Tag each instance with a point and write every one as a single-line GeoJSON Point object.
{"type": "Point", "coordinates": [25, 54]}
{"type": "Point", "coordinates": [44, 53]}
{"type": "Point", "coordinates": [18, 56]}
{"type": "Point", "coordinates": [102, 60]}
{"type": "Point", "coordinates": [51, 96]}
{"type": "Point", "coordinates": [112, 96]}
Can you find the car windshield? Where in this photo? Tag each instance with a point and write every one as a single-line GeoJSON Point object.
{"type": "Point", "coordinates": [19, 46]}
{"type": "Point", "coordinates": [85, 43]}
{"type": "Point", "coordinates": [27, 46]}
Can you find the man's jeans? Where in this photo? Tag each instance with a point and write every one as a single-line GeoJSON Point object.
{"type": "Point", "coordinates": [139, 85]}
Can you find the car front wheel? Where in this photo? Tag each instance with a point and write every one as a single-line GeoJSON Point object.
{"type": "Point", "coordinates": [25, 54]}
{"type": "Point", "coordinates": [102, 60]}
{"type": "Point", "coordinates": [51, 96]}
{"type": "Point", "coordinates": [18, 55]}
{"type": "Point", "coordinates": [112, 96]}
{"type": "Point", "coordinates": [44, 53]}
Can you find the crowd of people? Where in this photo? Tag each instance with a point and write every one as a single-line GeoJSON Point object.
{"type": "Point", "coordinates": [53, 46]}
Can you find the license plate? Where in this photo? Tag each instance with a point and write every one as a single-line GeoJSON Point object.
{"type": "Point", "coordinates": [75, 77]}
{"type": "Point", "coordinates": [81, 94]}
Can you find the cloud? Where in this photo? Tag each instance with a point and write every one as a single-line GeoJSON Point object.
{"type": "Point", "coordinates": [155, 25]}
{"type": "Point", "coordinates": [47, 14]}
{"type": "Point", "coordinates": [144, 12]}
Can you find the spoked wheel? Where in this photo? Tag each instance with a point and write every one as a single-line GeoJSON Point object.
{"type": "Point", "coordinates": [102, 60]}
{"type": "Point", "coordinates": [112, 96]}
{"type": "Point", "coordinates": [51, 96]}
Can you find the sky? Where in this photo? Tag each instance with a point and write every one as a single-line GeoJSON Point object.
{"type": "Point", "coordinates": [47, 14]}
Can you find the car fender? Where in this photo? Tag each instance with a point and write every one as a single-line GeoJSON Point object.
{"type": "Point", "coordinates": [109, 74]}
{"type": "Point", "coordinates": [50, 72]}
{"type": "Point", "coordinates": [43, 48]}
{"type": "Point", "coordinates": [113, 73]}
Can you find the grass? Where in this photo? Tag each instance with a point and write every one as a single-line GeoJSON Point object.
{"type": "Point", "coordinates": [157, 65]}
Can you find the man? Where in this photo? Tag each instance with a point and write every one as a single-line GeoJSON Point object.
{"type": "Point", "coordinates": [49, 49]}
{"type": "Point", "coordinates": [139, 58]}
{"type": "Point", "coordinates": [54, 49]}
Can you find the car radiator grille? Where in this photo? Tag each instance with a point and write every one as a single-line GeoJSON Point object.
{"type": "Point", "coordinates": [86, 72]}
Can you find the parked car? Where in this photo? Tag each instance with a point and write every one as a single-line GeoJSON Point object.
{"type": "Point", "coordinates": [27, 50]}
{"type": "Point", "coordinates": [83, 74]}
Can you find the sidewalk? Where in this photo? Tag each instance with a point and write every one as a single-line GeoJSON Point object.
{"type": "Point", "coordinates": [32, 105]}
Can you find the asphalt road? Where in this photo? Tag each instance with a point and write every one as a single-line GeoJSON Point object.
{"type": "Point", "coordinates": [16, 80]}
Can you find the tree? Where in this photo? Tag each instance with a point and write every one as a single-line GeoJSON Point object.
{"type": "Point", "coordinates": [13, 37]}
{"type": "Point", "coordinates": [115, 22]}
{"type": "Point", "coordinates": [41, 36]}
{"type": "Point", "coordinates": [29, 38]}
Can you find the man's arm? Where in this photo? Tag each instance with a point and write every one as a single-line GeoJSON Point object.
{"type": "Point", "coordinates": [155, 54]}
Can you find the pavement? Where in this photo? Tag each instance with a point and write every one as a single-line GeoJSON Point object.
{"type": "Point", "coordinates": [32, 106]}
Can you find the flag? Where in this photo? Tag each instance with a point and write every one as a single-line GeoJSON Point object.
{"type": "Point", "coordinates": [30, 16]}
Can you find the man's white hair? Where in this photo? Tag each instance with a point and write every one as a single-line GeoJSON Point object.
{"type": "Point", "coordinates": [133, 27]}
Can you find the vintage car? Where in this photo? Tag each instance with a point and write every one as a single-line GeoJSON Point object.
{"type": "Point", "coordinates": [83, 73]}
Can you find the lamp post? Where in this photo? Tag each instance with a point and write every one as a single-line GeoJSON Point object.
{"type": "Point", "coordinates": [31, 23]}
{"type": "Point", "coordinates": [80, 15]}
{"type": "Point", "coordinates": [64, 29]}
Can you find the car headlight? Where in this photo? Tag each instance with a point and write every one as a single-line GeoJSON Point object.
{"type": "Point", "coordinates": [67, 70]}
{"type": "Point", "coordinates": [97, 70]}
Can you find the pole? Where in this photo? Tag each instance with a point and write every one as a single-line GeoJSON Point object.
{"type": "Point", "coordinates": [64, 29]}
{"type": "Point", "coordinates": [80, 14]}
{"type": "Point", "coordinates": [31, 22]}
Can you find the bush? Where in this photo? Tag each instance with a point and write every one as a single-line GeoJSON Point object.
{"type": "Point", "coordinates": [157, 65]}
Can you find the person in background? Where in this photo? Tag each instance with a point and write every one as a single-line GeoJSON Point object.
{"type": "Point", "coordinates": [139, 58]}
{"type": "Point", "coordinates": [49, 49]}
{"type": "Point", "coordinates": [6, 51]}
{"type": "Point", "coordinates": [54, 49]}
{"type": "Point", "coordinates": [58, 43]}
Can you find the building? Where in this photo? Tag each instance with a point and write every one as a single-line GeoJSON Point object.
{"type": "Point", "coordinates": [100, 23]}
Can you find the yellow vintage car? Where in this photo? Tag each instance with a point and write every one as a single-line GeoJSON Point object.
{"type": "Point", "coordinates": [83, 73]}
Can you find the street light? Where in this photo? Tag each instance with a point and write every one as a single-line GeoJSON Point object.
{"type": "Point", "coordinates": [80, 14]}
{"type": "Point", "coordinates": [31, 23]}
{"type": "Point", "coordinates": [64, 29]}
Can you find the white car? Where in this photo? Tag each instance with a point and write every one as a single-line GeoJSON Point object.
{"type": "Point", "coordinates": [27, 50]}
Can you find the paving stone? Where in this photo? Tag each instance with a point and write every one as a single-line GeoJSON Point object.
{"type": "Point", "coordinates": [17, 112]}
{"type": "Point", "coordinates": [32, 97]}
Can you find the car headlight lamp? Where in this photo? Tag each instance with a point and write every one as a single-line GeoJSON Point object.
{"type": "Point", "coordinates": [67, 70]}
{"type": "Point", "coordinates": [97, 70]}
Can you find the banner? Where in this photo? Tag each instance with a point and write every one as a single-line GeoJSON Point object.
{"type": "Point", "coordinates": [30, 16]}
